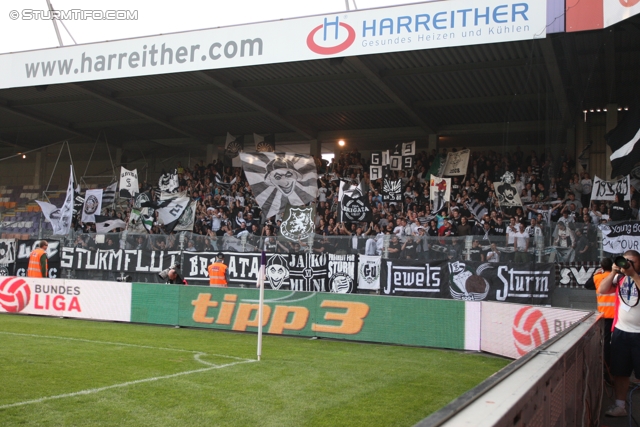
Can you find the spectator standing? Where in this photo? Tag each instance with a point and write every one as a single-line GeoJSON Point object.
{"type": "Point", "coordinates": [38, 262]}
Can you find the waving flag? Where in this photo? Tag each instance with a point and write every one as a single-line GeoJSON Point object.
{"type": "Point", "coordinates": [623, 140]}
{"type": "Point", "coordinates": [60, 218]}
{"type": "Point", "coordinates": [280, 178]}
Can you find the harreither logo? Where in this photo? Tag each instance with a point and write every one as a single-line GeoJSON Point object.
{"type": "Point", "coordinates": [14, 294]}
{"type": "Point", "coordinates": [530, 329]}
{"type": "Point", "coordinates": [629, 3]}
{"type": "Point", "coordinates": [335, 37]}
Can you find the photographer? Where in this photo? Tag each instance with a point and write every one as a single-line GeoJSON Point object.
{"type": "Point", "coordinates": [625, 340]}
{"type": "Point", "coordinates": [171, 276]}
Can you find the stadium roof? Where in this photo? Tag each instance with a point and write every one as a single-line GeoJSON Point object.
{"type": "Point", "coordinates": [518, 92]}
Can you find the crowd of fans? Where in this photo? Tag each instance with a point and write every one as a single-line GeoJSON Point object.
{"type": "Point", "coordinates": [551, 193]}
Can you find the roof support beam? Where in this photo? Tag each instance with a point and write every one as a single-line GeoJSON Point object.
{"type": "Point", "coordinates": [374, 77]}
{"type": "Point", "coordinates": [553, 70]}
{"type": "Point", "coordinates": [259, 104]}
{"type": "Point", "coordinates": [110, 99]}
{"type": "Point", "coordinates": [43, 120]}
{"type": "Point", "coordinates": [479, 100]}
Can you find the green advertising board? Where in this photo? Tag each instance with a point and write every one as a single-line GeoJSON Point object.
{"type": "Point", "coordinates": [394, 320]}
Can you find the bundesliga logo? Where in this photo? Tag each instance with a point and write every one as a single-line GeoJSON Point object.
{"type": "Point", "coordinates": [530, 329]}
{"type": "Point", "coordinates": [14, 294]}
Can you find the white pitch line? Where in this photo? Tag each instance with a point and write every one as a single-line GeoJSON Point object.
{"type": "Point", "coordinates": [129, 383]}
{"type": "Point", "coordinates": [119, 344]}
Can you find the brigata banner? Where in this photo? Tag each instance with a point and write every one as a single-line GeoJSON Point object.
{"type": "Point", "coordinates": [81, 299]}
{"type": "Point", "coordinates": [296, 271]}
{"type": "Point", "coordinates": [530, 283]}
{"type": "Point", "coordinates": [411, 321]}
{"type": "Point", "coordinates": [621, 237]}
{"type": "Point", "coordinates": [429, 25]}
{"type": "Point", "coordinates": [121, 260]}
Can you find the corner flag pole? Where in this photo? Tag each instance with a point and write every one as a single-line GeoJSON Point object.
{"type": "Point", "coordinates": [260, 284]}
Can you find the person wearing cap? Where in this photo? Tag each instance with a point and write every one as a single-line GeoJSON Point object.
{"type": "Point", "coordinates": [218, 272]}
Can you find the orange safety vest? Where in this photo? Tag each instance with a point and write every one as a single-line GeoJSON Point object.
{"type": "Point", "coordinates": [606, 302]}
{"type": "Point", "coordinates": [34, 269]}
{"type": "Point", "coordinates": [217, 274]}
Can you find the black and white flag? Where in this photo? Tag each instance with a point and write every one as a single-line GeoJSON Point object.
{"type": "Point", "coordinates": [60, 218]}
{"type": "Point", "coordinates": [168, 182]}
{"type": "Point", "coordinates": [342, 272]}
{"type": "Point", "coordinates": [298, 222]}
{"type": "Point", "coordinates": [354, 203]}
{"type": "Point", "coordinates": [265, 143]}
{"type": "Point", "coordinates": [623, 140]}
{"type": "Point", "coordinates": [439, 192]}
{"type": "Point", "coordinates": [141, 217]}
{"type": "Point", "coordinates": [477, 210]}
{"type": "Point", "coordinates": [170, 210]}
{"type": "Point", "coordinates": [109, 194]}
{"type": "Point", "coordinates": [392, 190]}
{"type": "Point", "coordinates": [92, 205]}
{"type": "Point", "coordinates": [233, 146]}
{"type": "Point", "coordinates": [188, 218]}
{"type": "Point", "coordinates": [7, 251]}
{"type": "Point", "coordinates": [307, 272]}
{"type": "Point", "coordinates": [280, 178]}
{"type": "Point", "coordinates": [105, 224]}
{"type": "Point", "coordinates": [128, 183]}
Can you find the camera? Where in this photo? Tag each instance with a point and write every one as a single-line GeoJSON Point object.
{"type": "Point", "coordinates": [622, 262]}
{"type": "Point", "coordinates": [124, 278]}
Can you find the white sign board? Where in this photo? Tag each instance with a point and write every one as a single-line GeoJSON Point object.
{"type": "Point", "coordinates": [429, 25]}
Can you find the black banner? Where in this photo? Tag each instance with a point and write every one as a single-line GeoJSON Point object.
{"type": "Point", "coordinates": [121, 260]}
{"type": "Point", "coordinates": [526, 283]}
{"type": "Point", "coordinates": [24, 249]}
{"type": "Point", "coordinates": [575, 274]}
{"type": "Point", "coordinates": [298, 271]}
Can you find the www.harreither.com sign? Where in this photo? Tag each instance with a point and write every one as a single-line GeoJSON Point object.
{"type": "Point", "coordinates": [411, 27]}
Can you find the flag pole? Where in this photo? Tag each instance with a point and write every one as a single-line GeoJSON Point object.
{"type": "Point", "coordinates": [260, 284]}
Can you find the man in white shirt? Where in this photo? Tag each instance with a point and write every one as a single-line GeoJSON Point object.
{"type": "Point", "coordinates": [625, 340]}
{"type": "Point", "coordinates": [521, 239]}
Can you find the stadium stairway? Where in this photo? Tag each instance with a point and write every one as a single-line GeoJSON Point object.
{"type": "Point", "coordinates": [20, 214]}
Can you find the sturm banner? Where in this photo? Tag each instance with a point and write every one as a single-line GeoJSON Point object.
{"type": "Point", "coordinates": [528, 283]}
{"type": "Point", "coordinates": [342, 270]}
{"type": "Point", "coordinates": [607, 190]}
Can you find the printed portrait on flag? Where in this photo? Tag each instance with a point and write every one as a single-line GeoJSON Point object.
{"type": "Point", "coordinates": [507, 194]}
{"type": "Point", "coordinates": [279, 178]}
{"type": "Point", "coordinates": [92, 205]}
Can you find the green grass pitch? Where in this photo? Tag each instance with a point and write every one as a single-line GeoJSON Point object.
{"type": "Point", "coordinates": [62, 372]}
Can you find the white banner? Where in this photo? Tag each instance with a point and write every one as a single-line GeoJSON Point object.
{"type": "Point", "coordinates": [369, 272]}
{"type": "Point", "coordinates": [439, 192]}
{"type": "Point", "coordinates": [7, 251]}
{"type": "Point", "coordinates": [429, 25]}
{"type": "Point", "coordinates": [507, 194]}
{"type": "Point", "coordinates": [92, 205]}
{"type": "Point", "coordinates": [619, 10]}
{"type": "Point", "coordinates": [128, 183]}
{"type": "Point", "coordinates": [512, 330]}
{"type": "Point", "coordinates": [621, 237]}
{"type": "Point", "coordinates": [456, 164]}
{"type": "Point", "coordinates": [606, 190]}
{"type": "Point", "coordinates": [81, 299]}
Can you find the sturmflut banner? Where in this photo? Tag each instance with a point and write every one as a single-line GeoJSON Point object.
{"type": "Point", "coordinates": [122, 260]}
{"type": "Point", "coordinates": [527, 283]}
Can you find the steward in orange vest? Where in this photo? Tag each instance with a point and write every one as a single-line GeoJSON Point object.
{"type": "Point", "coordinates": [218, 272]}
{"type": "Point", "coordinates": [606, 306]}
{"type": "Point", "coordinates": [38, 263]}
